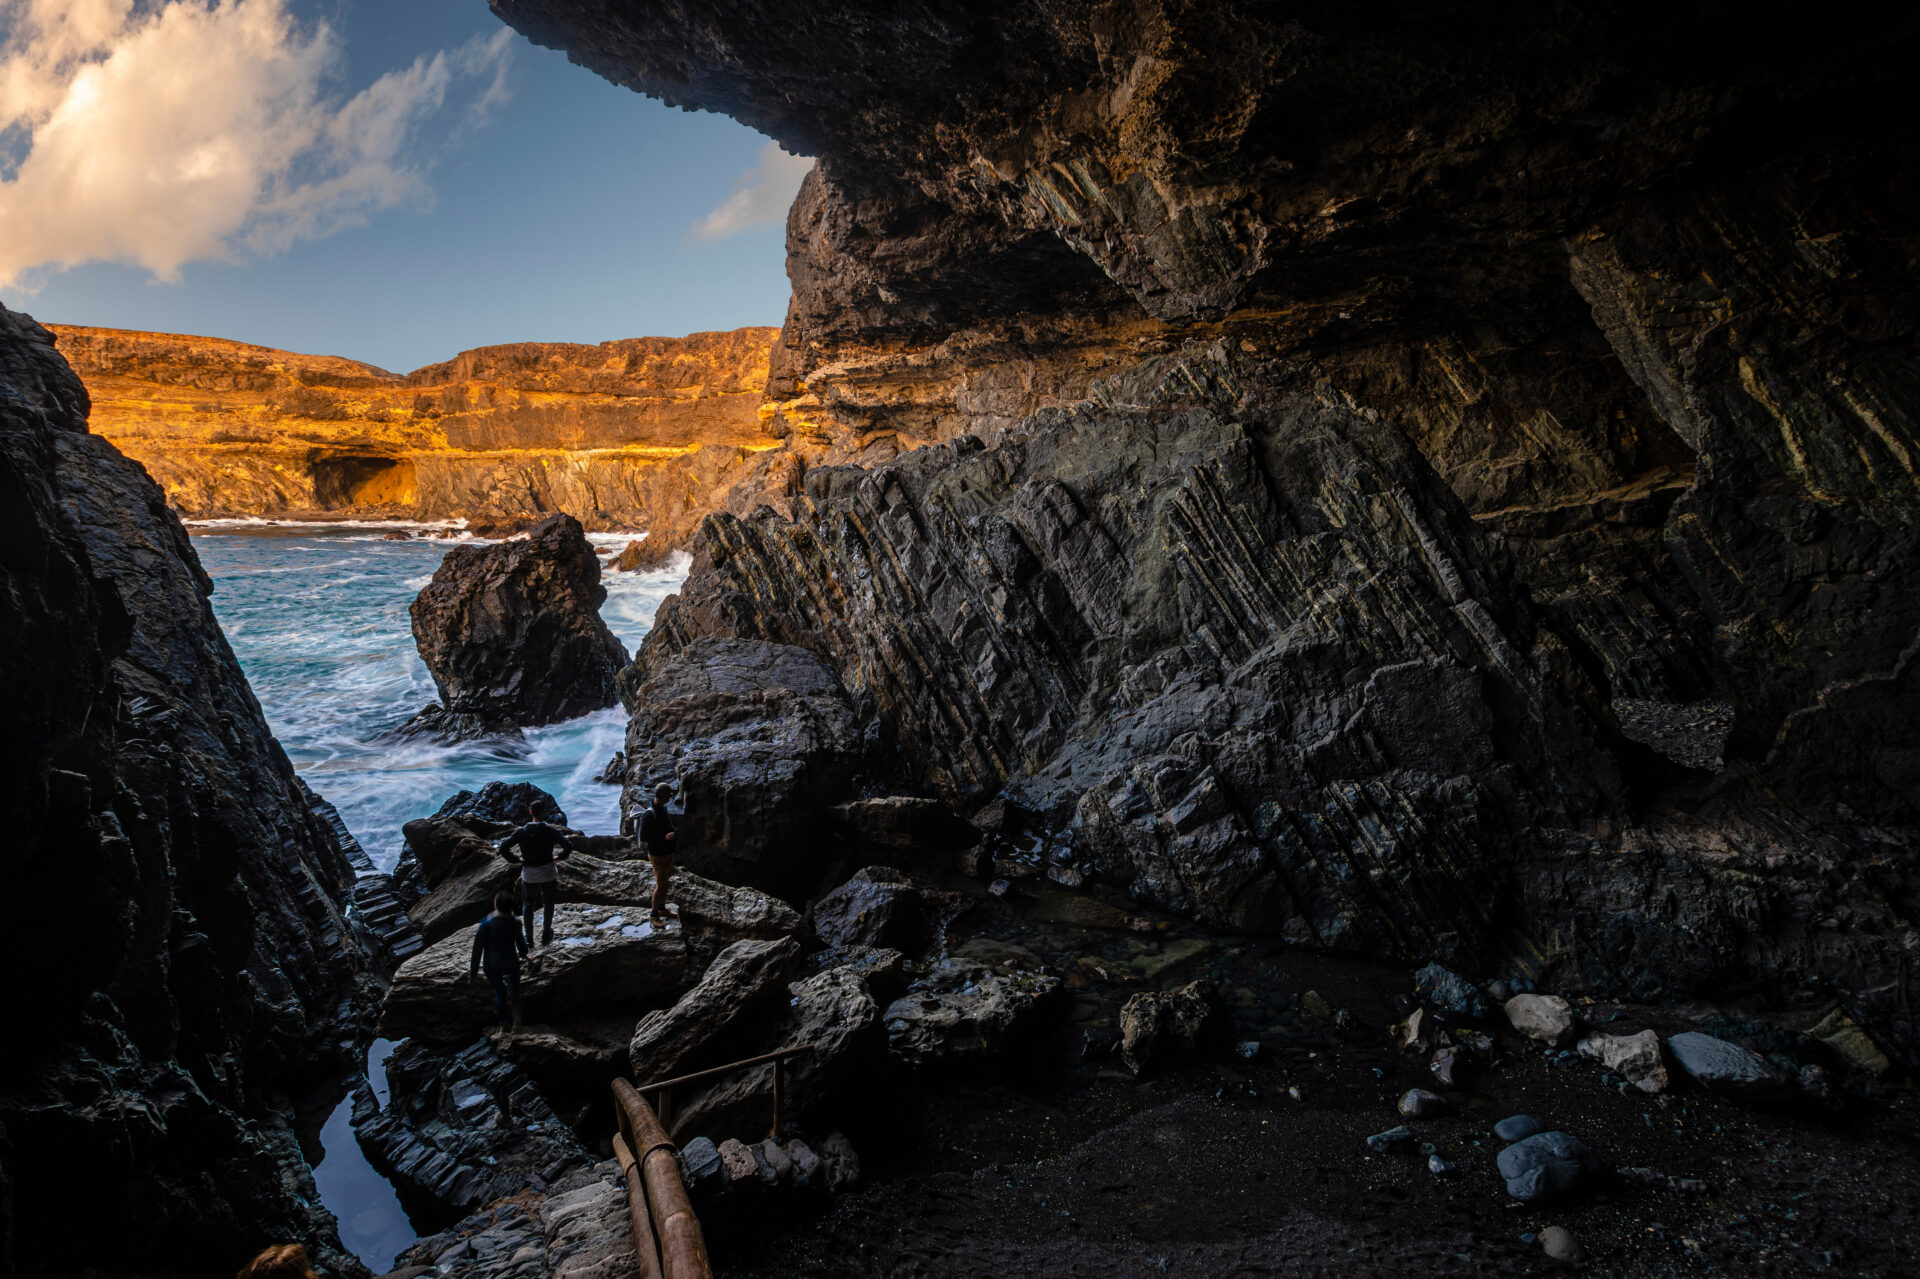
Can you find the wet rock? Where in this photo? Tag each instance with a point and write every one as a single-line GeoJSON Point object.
{"type": "Point", "coordinates": [1421, 1103]}
{"type": "Point", "coordinates": [759, 742]}
{"type": "Point", "coordinates": [1394, 1141]}
{"type": "Point", "coordinates": [1728, 1068]}
{"type": "Point", "coordinates": [1547, 1018]}
{"type": "Point", "coordinates": [1449, 992]}
{"type": "Point", "coordinates": [904, 826]}
{"type": "Point", "coordinates": [1844, 1035]}
{"type": "Point", "coordinates": [1559, 1243]}
{"type": "Point", "coordinates": [599, 953]}
{"type": "Point", "coordinates": [511, 633]}
{"type": "Point", "coordinates": [1548, 1167]}
{"type": "Point", "coordinates": [740, 1168]}
{"type": "Point", "coordinates": [1158, 1028]}
{"type": "Point", "coordinates": [841, 1164]}
{"type": "Point", "coordinates": [643, 555]}
{"type": "Point", "coordinates": [832, 1014]}
{"type": "Point", "coordinates": [1517, 1128]}
{"type": "Point", "coordinates": [972, 1004]}
{"type": "Point", "coordinates": [736, 985]}
{"type": "Point", "coordinates": [1635, 1058]}
{"type": "Point", "coordinates": [882, 908]}
{"type": "Point", "coordinates": [505, 803]}
{"type": "Point", "coordinates": [463, 1129]}
{"type": "Point", "coordinates": [615, 772]}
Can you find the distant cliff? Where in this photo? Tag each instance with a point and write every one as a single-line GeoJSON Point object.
{"type": "Point", "coordinates": [630, 434]}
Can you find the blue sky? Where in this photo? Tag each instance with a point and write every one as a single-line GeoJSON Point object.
{"type": "Point", "coordinates": [500, 194]}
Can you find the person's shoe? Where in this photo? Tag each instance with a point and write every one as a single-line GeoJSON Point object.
{"type": "Point", "coordinates": [546, 939]}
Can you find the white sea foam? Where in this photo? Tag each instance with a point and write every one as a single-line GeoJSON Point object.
{"type": "Point", "coordinates": [318, 619]}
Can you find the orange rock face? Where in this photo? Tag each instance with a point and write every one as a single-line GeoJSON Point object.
{"type": "Point", "coordinates": [638, 433]}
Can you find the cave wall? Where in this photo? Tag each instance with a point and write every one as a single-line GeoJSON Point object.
{"type": "Point", "coordinates": [180, 964]}
{"type": "Point", "coordinates": [1635, 284]}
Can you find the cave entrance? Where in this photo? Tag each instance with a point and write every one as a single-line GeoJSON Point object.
{"type": "Point", "coordinates": [363, 481]}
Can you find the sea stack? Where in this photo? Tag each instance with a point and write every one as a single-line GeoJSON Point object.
{"type": "Point", "coordinates": [512, 635]}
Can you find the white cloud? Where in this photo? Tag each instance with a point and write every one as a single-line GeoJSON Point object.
{"type": "Point", "coordinates": [761, 197]}
{"type": "Point", "coordinates": [188, 130]}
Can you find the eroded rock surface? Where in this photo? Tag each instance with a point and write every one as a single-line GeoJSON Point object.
{"type": "Point", "coordinates": [511, 633]}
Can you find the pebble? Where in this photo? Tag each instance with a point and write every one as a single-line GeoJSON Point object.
{"type": "Point", "coordinates": [1548, 1166]}
{"type": "Point", "coordinates": [1422, 1103]}
{"type": "Point", "coordinates": [1393, 1140]}
{"type": "Point", "coordinates": [1559, 1243]}
{"type": "Point", "coordinates": [1247, 1050]}
{"type": "Point", "coordinates": [1314, 1004]}
{"type": "Point", "coordinates": [1517, 1128]}
{"type": "Point", "coordinates": [1439, 1167]}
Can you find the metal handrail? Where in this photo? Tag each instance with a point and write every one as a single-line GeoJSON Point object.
{"type": "Point", "coordinates": [666, 1234]}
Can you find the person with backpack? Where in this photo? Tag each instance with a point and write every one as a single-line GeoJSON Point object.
{"type": "Point", "coordinates": [657, 838]}
{"type": "Point", "coordinates": [539, 847]}
{"type": "Point", "coordinates": [497, 946]}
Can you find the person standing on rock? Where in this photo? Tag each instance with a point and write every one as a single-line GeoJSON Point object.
{"type": "Point", "coordinates": [498, 947]}
{"type": "Point", "coordinates": [540, 846]}
{"type": "Point", "coordinates": [657, 838]}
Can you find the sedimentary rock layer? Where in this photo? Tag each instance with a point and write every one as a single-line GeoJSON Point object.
{"type": "Point", "coordinates": [1637, 285]}
{"type": "Point", "coordinates": [628, 434]}
{"type": "Point", "coordinates": [180, 963]}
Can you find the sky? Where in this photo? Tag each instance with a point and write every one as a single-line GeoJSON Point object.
{"type": "Point", "coordinates": [388, 180]}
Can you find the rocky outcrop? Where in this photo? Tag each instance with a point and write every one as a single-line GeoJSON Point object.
{"type": "Point", "coordinates": [759, 742]}
{"type": "Point", "coordinates": [190, 965]}
{"type": "Point", "coordinates": [511, 633]}
{"type": "Point", "coordinates": [636, 433]}
{"type": "Point", "coordinates": [1635, 298]}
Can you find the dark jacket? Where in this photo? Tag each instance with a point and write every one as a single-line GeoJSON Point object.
{"type": "Point", "coordinates": [498, 943]}
{"type": "Point", "coordinates": [656, 823]}
{"type": "Point", "coordinates": [537, 843]}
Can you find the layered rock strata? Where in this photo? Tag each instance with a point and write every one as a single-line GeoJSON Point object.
{"type": "Point", "coordinates": [1633, 290]}
{"type": "Point", "coordinates": [183, 963]}
{"type": "Point", "coordinates": [636, 433]}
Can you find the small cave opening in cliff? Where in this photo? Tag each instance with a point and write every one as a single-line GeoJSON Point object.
{"type": "Point", "coordinates": [340, 482]}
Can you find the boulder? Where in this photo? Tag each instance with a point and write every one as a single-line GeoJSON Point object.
{"type": "Point", "coordinates": [1633, 1057]}
{"type": "Point", "coordinates": [838, 1159]}
{"type": "Point", "coordinates": [737, 983]}
{"type": "Point", "coordinates": [644, 554]}
{"type": "Point", "coordinates": [1549, 1166]}
{"type": "Point", "coordinates": [1159, 1027]}
{"type": "Point", "coordinates": [511, 633]}
{"type": "Point", "coordinates": [760, 742]}
{"type": "Point", "coordinates": [1845, 1037]}
{"type": "Point", "coordinates": [1728, 1068]}
{"type": "Point", "coordinates": [905, 826]}
{"type": "Point", "coordinates": [505, 803]}
{"type": "Point", "coordinates": [1448, 991]}
{"type": "Point", "coordinates": [713, 915]}
{"type": "Point", "coordinates": [881, 907]}
{"type": "Point", "coordinates": [598, 953]}
{"type": "Point", "coordinates": [836, 1017]}
{"type": "Point", "coordinates": [1547, 1018]}
{"type": "Point", "coordinates": [972, 1004]}
{"type": "Point", "coordinates": [460, 1131]}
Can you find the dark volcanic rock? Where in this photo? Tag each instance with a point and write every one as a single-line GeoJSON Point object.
{"type": "Point", "coordinates": [882, 907]}
{"type": "Point", "coordinates": [1549, 1166]}
{"type": "Point", "coordinates": [188, 963]}
{"type": "Point", "coordinates": [511, 633]}
{"type": "Point", "coordinates": [759, 741]}
{"type": "Point", "coordinates": [504, 802]}
{"type": "Point", "coordinates": [734, 987]}
{"type": "Point", "coordinates": [1158, 1028]}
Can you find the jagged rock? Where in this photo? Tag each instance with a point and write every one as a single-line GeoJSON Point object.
{"type": "Point", "coordinates": [578, 1229]}
{"type": "Point", "coordinates": [1635, 1058]}
{"type": "Point", "coordinates": [1548, 1167]}
{"type": "Point", "coordinates": [201, 966]}
{"type": "Point", "coordinates": [1450, 992]}
{"type": "Point", "coordinates": [1728, 1068]}
{"type": "Point", "coordinates": [1158, 1028]}
{"type": "Point", "coordinates": [460, 1131]}
{"type": "Point", "coordinates": [832, 1014]}
{"type": "Point", "coordinates": [759, 741]}
{"type": "Point", "coordinates": [1547, 1018]}
{"type": "Point", "coordinates": [734, 987]}
{"type": "Point", "coordinates": [511, 633]}
{"type": "Point", "coordinates": [598, 953]}
{"type": "Point", "coordinates": [505, 803]}
{"type": "Point", "coordinates": [615, 773]}
{"type": "Point", "coordinates": [645, 554]}
{"type": "Point", "coordinates": [882, 908]}
{"type": "Point", "coordinates": [904, 826]}
{"type": "Point", "coordinates": [882, 969]}
{"type": "Point", "coordinates": [971, 1004]}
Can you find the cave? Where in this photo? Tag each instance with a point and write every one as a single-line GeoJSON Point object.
{"type": "Point", "coordinates": [340, 483]}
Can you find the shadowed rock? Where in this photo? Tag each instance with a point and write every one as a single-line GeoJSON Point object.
{"type": "Point", "coordinates": [735, 986]}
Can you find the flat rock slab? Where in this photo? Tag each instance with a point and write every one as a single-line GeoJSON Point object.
{"type": "Point", "coordinates": [1729, 1069]}
{"type": "Point", "coordinates": [737, 981]}
{"type": "Point", "coordinates": [598, 953]}
{"type": "Point", "coordinates": [1549, 1166]}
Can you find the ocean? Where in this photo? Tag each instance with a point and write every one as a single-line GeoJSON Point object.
{"type": "Point", "coordinates": [317, 615]}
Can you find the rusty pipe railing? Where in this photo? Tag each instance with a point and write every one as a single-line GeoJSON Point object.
{"type": "Point", "coordinates": [662, 1089]}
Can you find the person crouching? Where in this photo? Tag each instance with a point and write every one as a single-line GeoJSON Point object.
{"type": "Point", "coordinates": [498, 947]}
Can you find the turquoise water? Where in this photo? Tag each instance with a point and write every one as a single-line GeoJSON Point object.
{"type": "Point", "coordinates": [317, 615]}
